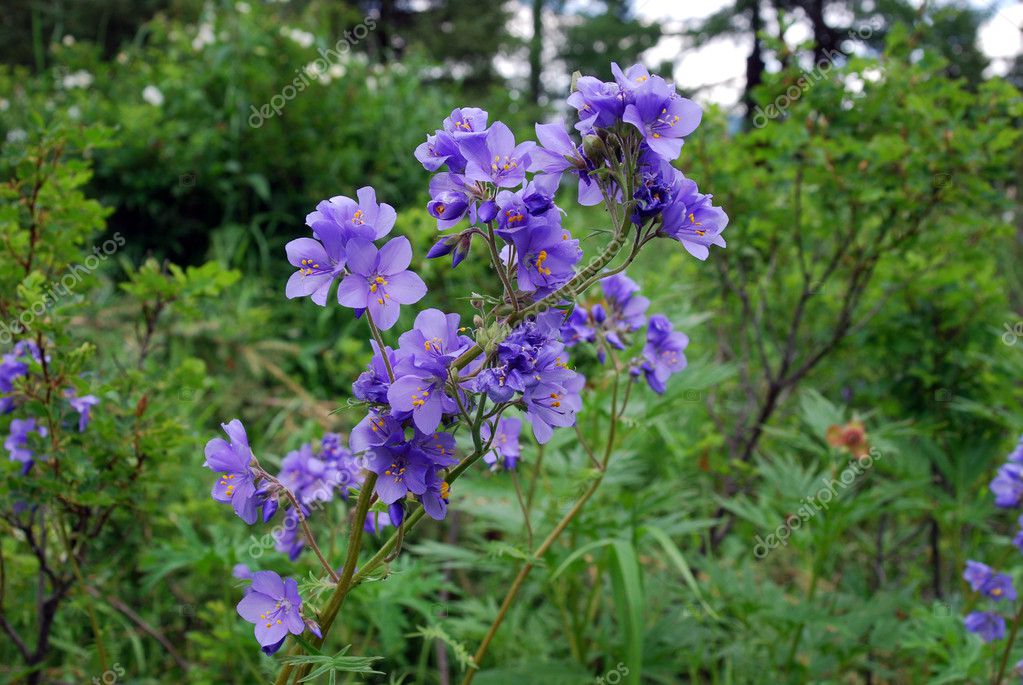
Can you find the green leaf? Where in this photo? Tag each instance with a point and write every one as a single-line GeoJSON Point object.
{"type": "Point", "coordinates": [627, 584]}
{"type": "Point", "coordinates": [676, 557]}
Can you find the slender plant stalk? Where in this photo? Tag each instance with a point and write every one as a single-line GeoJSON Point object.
{"type": "Point", "coordinates": [551, 538]}
{"type": "Point", "coordinates": [341, 591]}
{"type": "Point", "coordinates": [1008, 646]}
{"type": "Point", "coordinates": [380, 342]}
{"type": "Point", "coordinates": [495, 259]}
{"type": "Point", "coordinates": [304, 524]}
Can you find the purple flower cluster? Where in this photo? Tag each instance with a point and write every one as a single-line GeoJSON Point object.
{"type": "Point", "coordinates": [488, 181]}
{"type": "Point", "coordinates": [400, 435]}
{"type": "Point", "coordinates": [486, 186]}
{"type": "Point", "coordinates": [997, 586]}
{"type": "Point", "coordinates": [610, 321]}
{"type": "Point", "coordinates": [665, 198]}
{"type": "Point", "coordinates": [372, 279]}
{"type": "Point", "coordinates": [531, 369]}
{"type": "Point", "coordinates": [1007, 485]}
{"type": "Point", "coordinates": [314, 474]}
{"type": "Point", "coordinates": [17, 364]}
{"type": "Point", "coordinates": [13, 366]}
{"type": "Point", "coordinates": [505, 449]}
{"type": "Point", "coordinates": [1007, 488]}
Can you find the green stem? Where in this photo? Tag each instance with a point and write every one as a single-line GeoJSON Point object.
{"type": "Point", "coordinates": [380, 343]}
{"type": "Point", "coordinates": [1008, 646]}
{"type": "Point", "coordinates": [551, 538]}
{"type": "Point", "coordinates": [495, 259]}
{"type": "Point", "coordinates": [340, 592]}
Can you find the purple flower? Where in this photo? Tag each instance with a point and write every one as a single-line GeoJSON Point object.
{"type": "Point", "coordinates": [400, 470]}
{"type": "Point", "coordinates": [983, 579]}
{"type": "Point", "coordinates": [372, 384]}
{"type": "Point", "coordinates": [448, 207]}
{"type": "Point", "coordinates": [438, 150]}
{"type": "Point", "coordinates": [632, 78]}
{"type": "Point", "coordinates": [380, 280]}
{"type": "Point", "coordinates": [626, 309]}
{"type": "Point", "coordinates": [559, 154]}
{"type": "Point", "coordinates": [309, 478]}
{"type": "Point", "coordinates": [465, 121]}
{"type": "Point", "coordinates": [82, 405]}
{"type": "Point", "coordinates": [346, 218]}
{"type": "Point", "coordinates": [275, 607]}
{"type": "Point", "coordinates": [1016, 456]}
{"type": "Point", "coordinates": [599, 104]}
{"type": "Point", "coordinates": [663, 354]}
{"type": "Point", "coordinates": [319, 264]}
{"type": "Point", "coordinates": [578, 327]}
{"type": "Point", "coordinates": [242, 572]}
{"type": "Point", "coordinates": [553, 405]}
{"type": "Point", "coordinates": [976, 574]}
{"type": "Point", "coordinates": [523, 210]}
{"type": "Point", "coordinates": [232, 460]}
{"type": "Point", "coordinates": [989, 625]}
{"type": "Point", "coordinates": [496, 158]}
{"type": "Point", "coordinates": [438, 447]}
{"type": "Point", "coordinates": [421, 393]}
{"type": "Point", "coordinates": [546, 257]}
{"type": "Point", "coordinates": [17, 441]}
{"type": "Point", "coordinates": [505, 446]}
{"type": "Point", "coordinates": [662, 116]}
{"type": "Point", "coordinates": [375, 429]}
{"type": "Point", "coordinates": [1007, 486]}
{"type": "Point", "coordinates": [286, 537]}
{"type": "Point", "coordinates": [692, 220]}
{"type": "Point", "coordinates": [435, 499]}
{"type": "Point", "coordinates": [435, 336]}
{"type": "Point", "coordinates": [15, 365]}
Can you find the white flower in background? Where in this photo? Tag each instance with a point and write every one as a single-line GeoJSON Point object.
{"type": "Point", "coordinates": [243, 7]}
{"type": "Point", "coordinates": [204, 37]}
{"type": "Point", "coordinates": [68, 40]}
{"type": "Point", "coordinates": [152, 95]}
{"type": "Point", "coordinates": [16, 135]}
{"type": "Point", "coordinates": [74, 113]}
{"type": "Point", "coordinates": [5, 104]}
{"type": "Point", "coordinates": [336, 71]}
{"type": "Point", "coordinates": [122, 58]}
{"type": "Point", "coordinates": [312, 69]}
{"type": "Point", "coordinates": [303, 38]}
{"type": "Point", "coordinates": [77, 79]}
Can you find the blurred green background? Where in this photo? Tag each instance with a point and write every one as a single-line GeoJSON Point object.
{"type": "Point", "coordinates": [868, 156]}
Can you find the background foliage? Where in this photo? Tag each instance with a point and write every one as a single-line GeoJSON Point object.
{"type": "Point", "coordinates": [872, 274]}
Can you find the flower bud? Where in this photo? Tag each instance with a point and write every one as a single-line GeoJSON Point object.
{"type": "Point", "coordinates": [595, 150]}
